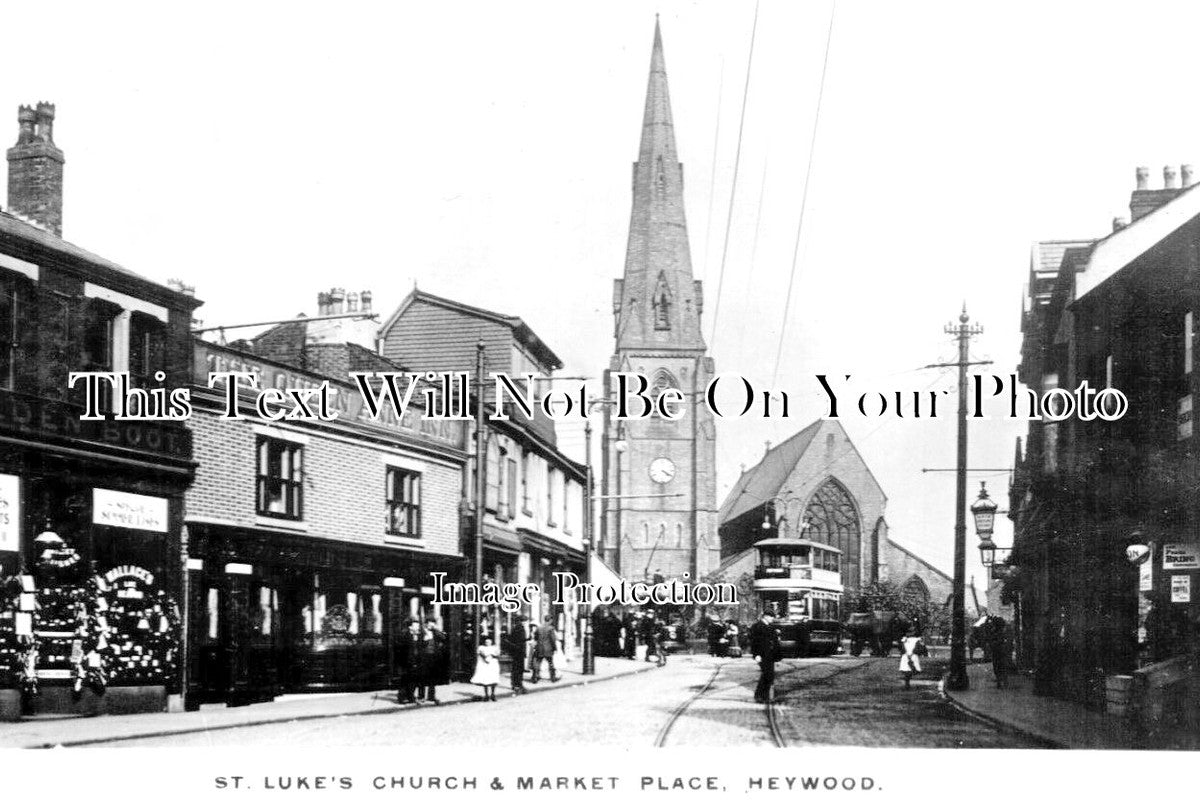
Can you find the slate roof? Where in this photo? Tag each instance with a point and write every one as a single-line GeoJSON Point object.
{"type": "Point", "coordinates": [764, 480]}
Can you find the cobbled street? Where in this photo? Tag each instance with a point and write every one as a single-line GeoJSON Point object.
{"type": "Point", "coordinates": [694, 700]}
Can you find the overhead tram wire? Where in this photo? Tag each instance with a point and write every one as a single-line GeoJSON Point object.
{"type": "Point", "coordinates": [737, 159]}
{"type": "Point", "coordinates": [812, 148]}
{"type": "Point", "coordinates": [762, 191]}
{"type": "Point", "coordinates": [712, 180]}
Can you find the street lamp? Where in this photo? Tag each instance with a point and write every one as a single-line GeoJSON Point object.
{"type": "Point", "coordinates": [589, 655]}
{"type": "Point", "coordinates": [984, 511]}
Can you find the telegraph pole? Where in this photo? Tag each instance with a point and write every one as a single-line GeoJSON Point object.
{"type": "Point", "coordinates": [480, 485]}
{"type": "Point", "coordinates": [957, 677]}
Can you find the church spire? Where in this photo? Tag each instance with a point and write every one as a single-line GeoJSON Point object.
{"type": "Point", "coordinates": [658, 129]}
{"type": "Point", "coordinates": [658, 303]}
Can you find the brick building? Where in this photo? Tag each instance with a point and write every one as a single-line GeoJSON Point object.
{"type": "Point", "coordinates": [534, 499]}
{"type": "Point", "coordinates": [1116, 312]}
{"type": "Point", "coordinates": [91, 511]}
{"type": "Point", "coordinates": [311, 543]}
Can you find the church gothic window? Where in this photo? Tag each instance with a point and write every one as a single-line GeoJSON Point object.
{"type": "Point", "coordinates": [831, 518]}
{"type": "Point", "coordinates": [915, 591]}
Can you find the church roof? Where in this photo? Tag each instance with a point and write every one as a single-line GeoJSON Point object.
{"type": "Point", "coordinates": [763, 481]}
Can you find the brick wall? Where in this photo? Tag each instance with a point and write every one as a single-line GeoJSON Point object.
{"type": "Point", "coordinates": [343, 488]}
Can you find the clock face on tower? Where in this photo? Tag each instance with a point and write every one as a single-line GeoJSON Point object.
{"type": "Point", "coordinates": [662, 470]}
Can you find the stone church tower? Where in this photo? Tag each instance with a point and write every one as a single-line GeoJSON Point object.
{"type": "Point", "coordinates": [668, 527]}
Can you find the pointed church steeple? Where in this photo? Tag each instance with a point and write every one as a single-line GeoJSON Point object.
{"type": "Point", "coordinates": [658, 303]}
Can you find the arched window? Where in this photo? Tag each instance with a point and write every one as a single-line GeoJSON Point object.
{"type": "Point", "coordinates": [877, 537]}
{"type": "Point", "coordinates": [679, 535]}
{"type": "Point", "coordinates": [915, 590]}
{"type": "Point", "coordinates": [646, 534]}
{"type": "Point", "coordinates": [662, 535]}
{"type": "Point", "coordinates": [663, 379]}
{"type": "Point", "coordinates": [831, 518]}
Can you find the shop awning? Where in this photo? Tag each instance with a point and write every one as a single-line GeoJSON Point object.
{"type": "Point", "coordinates": [498, 538]}
{"type": "Point", "coordinates": [602, 575]}
{"type": "Point", "coordinates": [533, 542]}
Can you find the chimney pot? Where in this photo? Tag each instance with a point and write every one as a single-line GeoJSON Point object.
{"type": "Point", "coordinates": [35, 169]}
{"type": "Point", "coordinates": [351, 302]}
{"type": "Point", "coordinates": [365, 299]}
{"type": "Point", "coordinates": [1169, 176]}
{"type": "Point", "coordinates": [337, 298]}
{"type": "Point", "coordinates": [1143, 178]}
{"type": "Point", "coordinates": [1187, 175]}
{"type": "Point", "coordinates": [322, 304]}
{"type": "Point", "coordinates": [1118, 223]}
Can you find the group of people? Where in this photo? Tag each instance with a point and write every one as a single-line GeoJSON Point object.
{"type": "Point", "coordinates": [545, 647]}
{"type": "Point", "coordinates": [645, 628]}
{"type": "Point", "coordinates": [423, 659]}
{"type": "Point", "coordinates": [725, 639]}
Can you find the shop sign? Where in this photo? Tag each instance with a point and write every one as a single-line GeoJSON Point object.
{"type": "Point", "coordinates": [343, 398]}
{"type": "Point", "coordinates": [1181, 556]}
{"type": "Point", "coordinates": [10, 513]}
{"type": "Point", "coordinates": [126, 510]}
{"type": "Point", "coordinates": [1181, 588]}
{"type": "Point", "coordinates": [1146, 576]}
{"type": "Point", "coordinates": [128, 582]}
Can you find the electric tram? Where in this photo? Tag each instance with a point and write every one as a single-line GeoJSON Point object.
{"type": "Point", "coordinates": [800, 582]}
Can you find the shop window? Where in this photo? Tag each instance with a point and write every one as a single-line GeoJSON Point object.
{"type": "Point", "coordinates": [146, 350]}
{"type": "Point", "coordinates": [343, 613]}
{"type": "Point", "coordinates": [213, 603]}
{"type": "Point", "coordinates": [403, 502]}
{"type": "Point", "coordinates": [280, 478]}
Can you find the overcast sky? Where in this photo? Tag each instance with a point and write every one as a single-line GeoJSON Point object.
{"type": "Point", "coordinates": [267, 151]}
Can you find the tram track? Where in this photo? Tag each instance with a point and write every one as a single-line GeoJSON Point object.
{"type": "Point", "coordinates": [772, 717]}
{"type": "Point", "coordinates": [769, 713]}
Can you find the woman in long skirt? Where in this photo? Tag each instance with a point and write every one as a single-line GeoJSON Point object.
{"type": "Point", "coordinates": [910, 662]}
{"type": "Point", "coordinates": [487, 668]}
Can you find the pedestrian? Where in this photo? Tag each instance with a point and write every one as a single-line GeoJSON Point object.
{"type": "Point", "coordinates": [487, 668]}
{"type": "Point", "coordinates": [910, 661]}
{"type": "Point", "coordinates": [647, 633]}
{"type": "Point", "coordinates": [545, 645]}
{"type": "Point", "coordinates": [1001, 652]}
{"type": "Point", "coordinates": [408, 662]}
{"type": "Point", "coordinates": [517, 641]}
{"type": "Point", "coordinates": [435, 667]}
{"type": "Point", "coordinates": [765, 647]}
{"type": "Point", "coordinates": [661, 635]}
{"type": "Point", "coordinates": [715, 632]}
{"type": "Point", "coordinates": [630, 630]}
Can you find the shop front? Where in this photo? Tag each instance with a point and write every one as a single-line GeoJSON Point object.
{"type": "Point", "coordinates": [89, 573]}
{"type": "Point", "coordinates": [272, 613]}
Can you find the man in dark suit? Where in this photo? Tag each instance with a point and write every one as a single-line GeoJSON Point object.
{"type": "Point", "coordinates": [631, 632]}
{"type": "Point", "coordinates": [765, 647]}
{"type": "Point", "coordinates": [517, 642]}
{"type": "Point", "coordinates": [544, 647]}
{"type": "Point", "coordinates": [408, 662]}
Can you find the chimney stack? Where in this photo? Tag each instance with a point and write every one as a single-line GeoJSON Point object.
{"type": "Point", "coordinates": [35, 169]}
{"type": "Point", "coordinates": [1143, 178]}
{"type": "Point", "coordinates": [1145, 200]}
{"type": "Point", "coordinates": [365, 297]}
{"type": "Point", "coordinates": [1169, 176]}
{"type": "Point", "coordinates": [1187, 175]}
{"type": "Point", "coordinates": [337, 298]}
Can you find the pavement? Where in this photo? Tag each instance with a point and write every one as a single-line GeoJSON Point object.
{"type": "Point", "coordinates": [140, 728]}
{"type": "Point", "coordinates": [1052, 721]}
